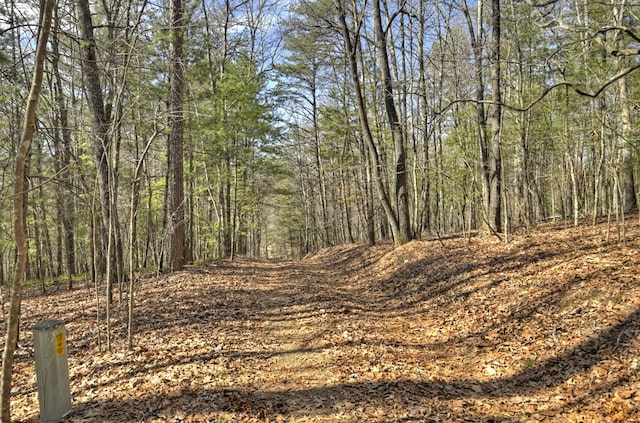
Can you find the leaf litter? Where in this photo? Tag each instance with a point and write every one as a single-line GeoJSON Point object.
{"type": "Point", "coordinates": [458, 329]}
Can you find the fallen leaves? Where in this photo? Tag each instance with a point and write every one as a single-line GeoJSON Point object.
{"type": "Point", "coordinates": [545, 328]}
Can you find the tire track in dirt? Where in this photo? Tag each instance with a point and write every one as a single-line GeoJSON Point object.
{"type": "Point", "coordinates": [544, 328]}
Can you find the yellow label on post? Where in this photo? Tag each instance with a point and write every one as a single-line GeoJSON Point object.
{"type": "Point", "coordinates": [59, 344]}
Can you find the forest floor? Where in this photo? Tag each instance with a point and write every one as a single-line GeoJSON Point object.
{"type": "Point", "coordinates": [545, 327]}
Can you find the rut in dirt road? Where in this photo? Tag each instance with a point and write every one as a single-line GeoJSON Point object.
{"type": "Point", "coordinates": [544, 328]}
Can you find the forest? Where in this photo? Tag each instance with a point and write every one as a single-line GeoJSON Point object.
{"type": "Point", "coordinates": [140, 137]}
{"type": "Point", "coordinates": [311, 124]}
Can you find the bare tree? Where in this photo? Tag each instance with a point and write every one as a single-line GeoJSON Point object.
{"type": "Point", "coordinates": [62, 143]}
{"type": "Point", "coordinates": [19, 209]}
{"type": "Point", "coordinates": [176, 137]}
{"type": "Point", "coordinates": [351, 46]}
{"type": "Point", "coordinates": [495, 207]}
{"type": "Point", "coordinates": [101, 120]}
{"type": "Point", "coordinates": [490, 161]}
{"type": "Point", "coordinates": [629, 199]}
{"type": "Point", "coordinates": [401, 194]}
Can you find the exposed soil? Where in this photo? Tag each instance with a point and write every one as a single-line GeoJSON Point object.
{"type": "Point", "coordinates": [542, 328]}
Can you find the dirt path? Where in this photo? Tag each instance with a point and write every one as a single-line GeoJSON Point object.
{"type": "Point", "coordinates": [543, 329]}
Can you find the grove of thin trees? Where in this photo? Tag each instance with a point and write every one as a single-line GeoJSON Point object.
{"type": "Point", "coordinates": [187, 131]}
{"type": "Point", "coordinates": [412, 118]}
{"type": "Point", "coordinates": [176, 132]}
{"type": "Point", "coordinates": [182, 131]}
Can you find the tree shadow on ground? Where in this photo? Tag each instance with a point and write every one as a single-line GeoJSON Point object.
{"type": "Point", "coordinates": [419, 400]}
{"type": "Point", "coordinates": [445, 280]}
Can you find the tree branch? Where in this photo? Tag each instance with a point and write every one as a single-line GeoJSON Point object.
{"type": "Point", "coordinates": [574, 86]}
{"type": "Point", "coordinates": [626, 52]}
{"type": "Point", "coordinates": [620, 28]}
{"type": "Point", "coordinates": [541, 3]}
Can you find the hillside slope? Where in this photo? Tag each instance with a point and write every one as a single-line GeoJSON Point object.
{"type": "Point", "coordinates": [544, 328]}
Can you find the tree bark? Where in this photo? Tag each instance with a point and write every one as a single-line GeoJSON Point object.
{"type": "Point", "coordinates": [62, 140]}
{"type": "Point", "coordinates": [19, 209]}
{"type": "Point", "coordinates": [351, 53]}
{"type": "Point", "coordinates": [629, 200]}
{"type": "Point", "coordinates": [476, 38]}
{"type": "Point", "coordinates": [133, 220]}
{"type": "Point", "coordinates": [495, 159]}
{"type": "Point", "coordinates": [100, 119]}
{"type": "Point", "coordinates": [424, 223]}
{"type": "Point", "coordinates": [176, 138]}
{"type": "Point", "coordinates": [401, 194]}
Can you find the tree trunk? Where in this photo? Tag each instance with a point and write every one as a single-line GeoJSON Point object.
{"type": "Point", "coordinates": [19, 208]}
{"type": "Point", "coordinates": [629, 200]}
{"type": "Point", "coordinates": [351, 53]}
{"type": "Point", "coordinates": [401, 195]}
{"type": "Point", "coordinates": [481, 118]}
{"type": "Point", "coordinates": [62, 142]}
{"type": "Point", "coordinates": [176, 138]}
{"type": "Point", "coordinates": [102, 143]}
{"type": "Point", "coordinates": [495, 159]}
{"type": "Point", "coordinates": [626, 157]}
{"type": "Point", "coordinates": [190, 246]}
{"type": "Point", "coordinates": [133, 220]}
{"type": "Point", "coordinates": [424, 224]}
